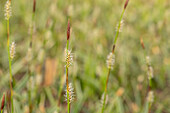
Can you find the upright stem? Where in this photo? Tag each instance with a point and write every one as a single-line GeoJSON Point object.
{"type": "Point", "coordinates": [105, 91]}
{"type": "Point", "coordinates": [30, 47]}
{"type": "Point", "coordinates": [10, 69]}
{"type": "Point", "coordinates": [68, 99]}
{"type": "Point", "coordinates": [113, 49]}
{"type": "Point", "coordinates": [149, 81]}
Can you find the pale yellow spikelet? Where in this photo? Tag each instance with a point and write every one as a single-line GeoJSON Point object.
{"type": "Point", "coordinates": [71, 93]}
{"type": "Point", "coordinates": [148, 61]}
{"type": "Point", "coordinates": [12, 51]}
{"type": "Point", "coordinates": [110, 60]}
{"type": "Point", "coordinates": [150, 69]}
{"type": "Point", "coordinates": [150, 97]}
{"type": "Point", "coordinates": [150, 72]}
{"type": "Point", "coordinates": [119, 26]}
{"type": "Point", "coordinates": [102, 99]}
{"type": "Point", "coordinates": [68, 58]}
{"type": "Point", "coordinates": [8, 10]}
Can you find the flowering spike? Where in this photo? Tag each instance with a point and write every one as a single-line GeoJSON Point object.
{"type": "Point", "coordinates": [126, 3]}
{"type": "Point", "coordinates": [119, 26]}
{"type": "Point", "coordinates": [110, 60]}
{"type": "Point", "coordinates": [102, 99]}
{"type": "Point", "coordinates": [71, 93]}
{"type": "Point", "coordinates": [68, 30]}
{"type": "Point", "coordinates": [68, 58]}
{"type": "Point", "coordinates": [142, 44]}
{"type": "Point", "coordinates": [8, 10]}
{"type": "Point", "coordinates": [3, 102]}
{"type": "Point", "coordinates": [12, 50]}
{"type": "Point", "coordinates": [150, 72]}
{"type": "Point", "coordinates": [150, 97]}
{"type": "Point", "coordinates": [34, 6]}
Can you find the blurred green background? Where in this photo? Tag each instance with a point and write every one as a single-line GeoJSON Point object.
{"type": "Point", "coordinates": [93, 25]}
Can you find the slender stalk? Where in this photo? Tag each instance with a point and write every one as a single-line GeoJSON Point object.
{"type": "Point", "coordinates": [30, 51]}
{"type": "Point", "coordinates": [149, 79]}
{"type": "Point", "coordinates": [10, 68]}
{"type": "Point", "coordinates": [113, 49]}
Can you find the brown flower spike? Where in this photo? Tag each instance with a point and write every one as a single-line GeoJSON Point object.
{"type": "Point", "coordinates": [126, 3]}
{"type": "Point", "coordinates": [34, 6]}
{"type": "Point", "coordinates": [68, 30]}
{"type": "Point", "coordinates": [3, 102]}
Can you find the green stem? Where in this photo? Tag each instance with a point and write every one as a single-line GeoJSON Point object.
{"type": "Point", "coordinates": [68, 99]}
{"type": "Point", "coordinates": [105, 91]}
{"type": "Point", "coordinates": [29, 70]}
{"type": "Point", "coordinates": [10, 69]}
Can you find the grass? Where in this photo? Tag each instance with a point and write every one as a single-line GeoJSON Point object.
{"type": "Point", "coordinates": [92, 30]}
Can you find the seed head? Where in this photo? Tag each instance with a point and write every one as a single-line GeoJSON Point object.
{"type": "Point", "coordinates": [68, 30]}
{"type": "Point", "coordinates": [34, 6]}
{"type": "Point", "coordinates": [3, 102]}
{"type": "Point", "coordinates": [126, 3]}
{"type": "Point", "coordinates": [102, 99]}
{"type": "Point", "coordinates": [8, 10]}
{"type": "Point", "coordinates": [150, 72]}
{"type": "Point", "coordinates": [142, 43]}
{"type": "Point", "coordinates": [68, 58]}
{"type": "Point", "coordinates": [12, 50]}
{"type": "Point", "coordinates": [110, 60]}
{"type": "Point", "coordinates": [119, 26]}
{"type": "Point", "coordinates": [150, 97]}
{"type": "Point", "coordinates": [71, 93]}
{"type": "Point", "coordinates": [148, 61]}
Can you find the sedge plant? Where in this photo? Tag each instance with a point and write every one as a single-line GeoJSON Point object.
{"type": "Point", "coordinates": [111, 57]}
{"type": "Point", "coordinates": [29, 56]}
{"type": "Point", "coordinates": [8, 13]}
{"type": "Point", "coordinates": [69, 95]}
{"type": "Point", "coordinates": [150, 75]}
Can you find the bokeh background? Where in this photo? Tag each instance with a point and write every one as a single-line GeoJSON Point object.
{"type": "Point", "coordinates": [93, 25]}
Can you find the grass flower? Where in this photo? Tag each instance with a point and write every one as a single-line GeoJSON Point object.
{"type": "Point", "coordinates": [71, 93]}
{"type": "Point", "coordinates": [119, 26]}
{"type": "Point", "coordinates": [110, 60]}
{"type": "Point", "coordinates": [150, 97]}
{"type": "Point", "coordinates": [8, 10]}
{"type": "Point", "coordinates": [68, 58]}
{"type": "Point", "coordinates": [12, 50]}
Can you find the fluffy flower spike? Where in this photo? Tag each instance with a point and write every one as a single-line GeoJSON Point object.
{"type": "Point", "coordinates": [110, 60]}
{"type": "Point", "coordinates": [8, 10]}
{"type": "Point", "coordinates": [71, 93]}
{"type": "Point", "coordinates": [119, 26]}
{"type": "Point", "coordinates": [102, 99]}
{"type": "Point", "coordinates": [12, 50]}
{"type": "Point", "coordinates": [150, 97]}
{"type": "Point", "coordinates": [68, 58]}
{"type": "Point", "coordinates": [150, 69]}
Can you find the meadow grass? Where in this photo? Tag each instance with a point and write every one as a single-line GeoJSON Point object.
{"type": "Point", "coordinates": [126, 82]}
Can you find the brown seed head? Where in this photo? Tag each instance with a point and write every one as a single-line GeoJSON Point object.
{"type": "Point", "coordinates": [3, 102]}
{"type": "Point", "coordinates": [142, 44]}
{"type": "Point", "coordinates": [34, 6]}
{"type": "Point", "coordinates": [68, 30]}
{"type": "Point", "coordinates": [126, 3]}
